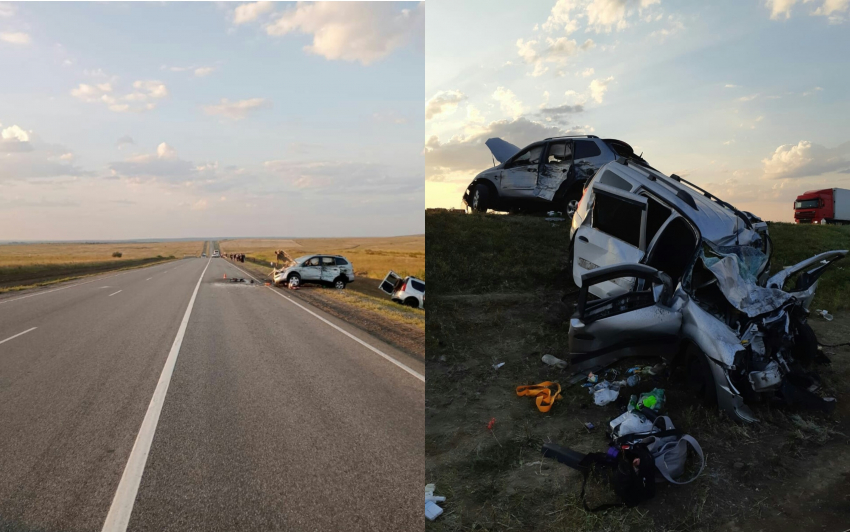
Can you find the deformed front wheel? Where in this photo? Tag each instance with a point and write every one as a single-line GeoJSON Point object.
{"type": "Point", "coordinates": [294, 280]}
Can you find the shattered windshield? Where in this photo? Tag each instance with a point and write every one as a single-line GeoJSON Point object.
{"type": "Point", "coordinates": [736, 269]}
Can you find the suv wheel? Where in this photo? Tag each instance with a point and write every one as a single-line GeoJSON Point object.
{"type": "Point", "coordinates": [480, 198]}
{"type": "Point", "coordinates": [412, 302]}
{"type": "Point", "coordinates": [294, 280]}
{"type": "Point", "coordinates": [339, 284]}
{"type": "Point", "coordinates": [571, 204]}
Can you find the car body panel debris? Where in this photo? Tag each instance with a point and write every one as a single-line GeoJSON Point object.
{"type": "Point", "coordinates": [327, 270]}
{"type": "Point", "coordinates": [545, 174]}
{"type": "Point", "coordinates": [666, 268]}
{"type": "Point", "coordinates": [408, 290]}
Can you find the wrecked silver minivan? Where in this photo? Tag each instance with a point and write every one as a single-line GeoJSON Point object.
{"type": "Point", "coordinates": [666, 268]}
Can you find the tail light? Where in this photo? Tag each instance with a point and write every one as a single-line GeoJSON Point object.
{"type": "Point", "coordinates": [404, 286]}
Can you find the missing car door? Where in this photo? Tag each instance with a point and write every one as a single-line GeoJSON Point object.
{"type": "Point", "coordinates": [614, 235]}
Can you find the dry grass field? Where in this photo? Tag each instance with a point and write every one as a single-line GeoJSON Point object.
{"type": "Point", "coordinates": [29, 254]}
{"type": "Point", "coordinates": [372, 257]}
{"type": "Point", "coordinates": [28, 265]}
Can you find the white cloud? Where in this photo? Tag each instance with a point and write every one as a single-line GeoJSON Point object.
{"type": "Point", "coordinates": [141, 99]}
{"type": "Point", "coordinates": [15, 133]}
{"type": "Point", "coordinates": [15, 38]}
{"type": "Point", "coordinates": [731, 86]}
{"type": "Point", "coordinates": [237, 110]}
{"type": "Point", "coordinates": [353, 31]}
{"type": "Point", "coordinates": [560, 17]}
{"type": "Point", "coordinates": [443, 103]}
{"type": "Point", "coordinates": [204, 71]}
{"type": "Point", "coordinates": [812, 91]}
{"type": "Point", "coordinates": [834, 10]}
{"type": "Point", "coordinates": [249, 12]}
{"type": "Point", "coordinates": [749, 98]}
{"type": "Point", "coordinates": [587, 72]}
{"type": "Point", "coordinates": [605, 15]}
{"type": "Point", "coordinates": [25, 157]}
{"type": "Point", "coordinates": [7, 9]}
{"type": "Point", "coordinates": [164, 164]}
{"type": "Point", "coordinates": [806, 159]}
{"type": "Point", "coordinates": [66, 157]}
{"type": "Point", "coordinates": [598, 88]}
{"type": "Point", "coordinates": [556, 51]}
{"type": "Point", "coordinates": [508, 102]}
{"type": "Point", "coordinates": [343, 177]}
{"type": "Point", "coordinates": [462, 154]}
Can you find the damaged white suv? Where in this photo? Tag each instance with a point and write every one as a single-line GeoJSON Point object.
{"type": "Point", "coordinates": [666, 268]}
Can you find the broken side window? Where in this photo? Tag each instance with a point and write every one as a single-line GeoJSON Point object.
{"type": "Point", "coordinates": [530, 156]}
{"type": "Point", "coordinates": [559, 153]}
{"type": "Point", "coordinates": [674, 248]}
{"type": "Point", "coordinates": [328, 261]}
{"type": "Point", "coordinates": [613, 180]}
{"type": "Point", "coordinates": [617, 217]}
{"type": "Point", "coordinates": [313, 262]}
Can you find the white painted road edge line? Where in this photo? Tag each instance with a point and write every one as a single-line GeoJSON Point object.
{"type": "Point", "coordinates": [113, 293]}
{"type": "Point", "coordinates": [149, 278]}
{"type": "Point", "coordinates": [125, 496]}
{"type": "Point", "coordinates": [19, 334]}
{"type": "Point", "coordinates": [343, 331]}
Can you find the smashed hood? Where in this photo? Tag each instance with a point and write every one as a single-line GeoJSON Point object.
{"type": "Point", "coordinates": [501, 150]}
{"type": "Point", "coordinates": [736, 269]}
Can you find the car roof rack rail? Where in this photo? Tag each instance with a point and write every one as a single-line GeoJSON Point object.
{"type": "Point", "coordinates": [572, 137]}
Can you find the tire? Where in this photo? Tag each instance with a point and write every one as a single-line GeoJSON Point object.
{"type": "Point", "coordinates": [412, 302]}
{"type": "Point", "coordinates": [339, 283]}
{"type": "Point", "coordinates": [480, 198]}
{"type": "Point", "coordinates": [700, 378]}
{"type": "Point", "coordinates": [570, 203]}
{"type": "Point", "coordinates": [294, 280]}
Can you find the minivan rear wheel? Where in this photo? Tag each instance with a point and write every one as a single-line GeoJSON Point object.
{"type": "Point", "coordinates": [339, 284]}
{"type": "Point", "coordinates": [412, 302]}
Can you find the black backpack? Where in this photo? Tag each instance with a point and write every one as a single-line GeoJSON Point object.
{"type": "Point", "coordinates": [632, 484]}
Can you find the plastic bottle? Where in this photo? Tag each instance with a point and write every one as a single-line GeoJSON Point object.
{"type": "Point", "coordinates": [633, 380]}
{"type": "Point", "coordinates": [632, 403]}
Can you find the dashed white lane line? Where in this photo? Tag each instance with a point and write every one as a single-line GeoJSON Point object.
{"type": "Point", "coordinates": [19, 334]}
{"type": "Point", "coordinates": [113, 293]}
{"type": "Point", "coordinates": [343, 331]}
{"type": "Point", "coordinates": [149, 278]}
{"type": "Point", "coordinates": [62, 288]}
{"type": "Point", "coordinates": [122, 504]}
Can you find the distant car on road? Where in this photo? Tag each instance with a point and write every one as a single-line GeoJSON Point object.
{"type": "Point", "coordinates": [216, 254]}
{"type": "Point", "coordinates": [408, 291]}
{"type": "Point", "coordinates": [203, 254]}
{"type": "Point", "coordinates": [328, 270]}
{"type": "Point", "coordinates": [546, 175]}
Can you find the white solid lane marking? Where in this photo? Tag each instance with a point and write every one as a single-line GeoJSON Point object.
{"type": "Point", "coordinates": [149, 278]}
{"type": "Point", "coordinates": [113, 293]}
{"type": "Point", "coordinates": [19, 334]}
{"type": "Point", "coordinates": [122, 504]}
{"type": "Point", "coordinates": [343, 331]}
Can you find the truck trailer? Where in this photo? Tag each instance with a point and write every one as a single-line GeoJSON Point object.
{"type": "Point", "coordinates": [827, 206]}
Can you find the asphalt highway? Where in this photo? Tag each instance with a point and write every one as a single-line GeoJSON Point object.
{"type": "Point", "coordinates": [169, 398]}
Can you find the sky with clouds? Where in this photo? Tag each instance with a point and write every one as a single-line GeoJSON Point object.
{"type": "Point", "coordinates": [201, 119]}
{"type": "Point", "coordinates": [745, 98]}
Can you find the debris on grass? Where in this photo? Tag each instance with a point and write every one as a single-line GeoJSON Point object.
{"type": "Point", "coordinates": [554, 361]}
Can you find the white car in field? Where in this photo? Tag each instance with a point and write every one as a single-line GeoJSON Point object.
{"type": "Point", "coordinates": [328, 270]}
{"type": "Point", "coordinates": [408, 291]}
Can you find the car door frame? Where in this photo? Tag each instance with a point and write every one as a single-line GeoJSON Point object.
{"type": "Point", "coordinates": [592, 244]}
{"type": "Point", "coordinates": [311, 273]}
{"type": "Point", "coordinates": [652, 326]}
{"type": "Point", "coordinates": [507, 186]}
{"type": "Point", "coordinates": [331, 271]}
{"type": "Point", "coordinates": [548, 182]}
